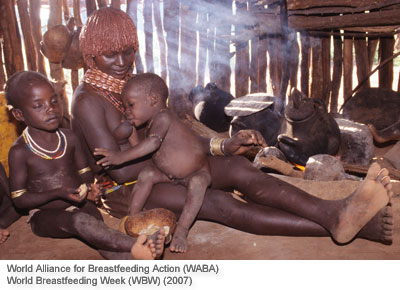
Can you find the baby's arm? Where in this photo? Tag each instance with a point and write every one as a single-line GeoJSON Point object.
{"type": "Point", "coordinates": [19, 180]}
{"type": "Point", "coordinates": [157, 132]}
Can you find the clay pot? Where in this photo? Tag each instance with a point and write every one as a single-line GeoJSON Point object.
{"type": "Point", "coordinates": [148, 222]}
{"type": "Point", "coordinates": [55, 43]}
{"type": "Point", "coordinates": [73, 58]}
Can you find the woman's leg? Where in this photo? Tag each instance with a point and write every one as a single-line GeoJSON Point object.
{"type": "Point", "coordinates": [342, 218]}
{"type": "Point", "coordinates": [221, 207]}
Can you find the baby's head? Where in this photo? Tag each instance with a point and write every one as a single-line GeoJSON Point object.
{"type": "Point", "coordinates": [144, 95]}
{"type": "Point", "coordinates": [33, 100]}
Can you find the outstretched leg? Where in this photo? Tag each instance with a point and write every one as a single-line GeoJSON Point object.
{"type": "Point", "coordinates": [87, 225]}
{"type": "Point", "coordinates": [387, 134]}
{"type": "Point", "coordinates": [197, 187]}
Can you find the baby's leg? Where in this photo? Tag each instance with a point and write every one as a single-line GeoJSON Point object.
{"type": "Point", "coordinates": [8, 215]}
{"type": "Point", "coordinates": [141, 191]}
{"type": "Point", "coordinates": [197, 187]}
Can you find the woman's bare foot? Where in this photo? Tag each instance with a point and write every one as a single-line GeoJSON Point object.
{"type": "Point", "coordinates": [4, 234]}
{"type": "Point", "coordinates": [377, 135]}
{"type": "Point", "coordinates": [143, 249]}
{"type": "Point", "coordinates": [158, 239]}
{"type": "Point", "coordinates": [373, 194]}
{"type": "Point", "coordinates": [380, 227]}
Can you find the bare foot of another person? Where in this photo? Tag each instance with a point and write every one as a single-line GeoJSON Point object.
{"type": "Point", "coordinates": [158, 239]}
{"type": "Point", "coordinates": [380, 227]}
{"type": "Point", "coordinates": [372, 194]}
{"type": "Point", "coordinates": [178, 243]}
{"type": "Point", "coordinates": [4, 234]}
{"type": "Point", "coordinates": [377, 135]}
{"type": "Point", "coordinates": [143, 249]}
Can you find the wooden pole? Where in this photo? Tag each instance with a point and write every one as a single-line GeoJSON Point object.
{"type": "Point", "coordinates": [103, 3]}
{"type": "Point", "coordinates": [347, 67]}
{"type": "Point", "coordinates": [2, 74]}
{"type": "Point", "coordinates": [131, 9]}
{"type": "Point", "coordinates": [117, 3]}
{"type": "Point", "coordinates": [148, 35]}
{"type": "Point", "coordinates": [362, 60]}
{"type": "Point", "coordinates": [326, 69]}
{"type": "Point", "coordinates": [305, 64]}
{"type": "Point", "coordinates": [242, 55]}
{"type": "Point", "coordinates": [220, 70]}
{"type": "Point", "coordinates": [77, 13]}
{"type": "Point", "coordinates": [262, 65]}
{"type": "Point", "coordinates": [386, 48]}
{"type": "Point", "coordinates": [294, 67]}
{"type": "Point", "coordinates": [161, 38]}
{"type": "Point", "coordinates": [202, 24]}
{"type": "Point", "coordinates": [171, 26]}
{"type": "Point", "coordinates": [67, 14]}
{"type": "Point", "coordinates": [36, 27]}
{"type": "Point", "coordinates": [12, 41]}
{"type": "Point", "coordinates": [337, 72]}
{"type": "Point", "coordinates": [90, 6]}
{"type": "Point", "coordinates": [30, 51]}
{"type": "Point", "coordinates": [317, 88]}
{"type": "Point", "coordinates": [372, 45]}
{"type": "Point", "coordinates": [189, 44]}
{"type": "Point", "coordinates": [254, 66]}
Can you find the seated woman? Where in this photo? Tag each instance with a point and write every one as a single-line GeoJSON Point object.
{"type": "Point", "coordinates": [8, 214]}
{"type": "Point", "coordinates": [109, 44]}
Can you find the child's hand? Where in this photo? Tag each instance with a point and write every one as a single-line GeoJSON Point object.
{"type": "Point", "coordinates": [95, 192]}
{"type": "Point", "coordinates": [79, 194]}
{"type": "Point", "coordinates": [110, 157]}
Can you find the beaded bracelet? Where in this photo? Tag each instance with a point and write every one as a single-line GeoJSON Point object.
{"type": "Point", "coordinates": [217, 146]}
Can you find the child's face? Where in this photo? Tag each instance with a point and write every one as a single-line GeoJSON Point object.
{"type": "Point", "coordinates": [139, 108]}
{"type": "Point", "coordinates": [40, 108]}
{"type": "Point", "coordinates": [116, 63]}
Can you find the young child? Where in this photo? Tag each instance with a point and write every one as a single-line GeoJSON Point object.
{"type": "Point", "coordinates": [177, 151]}
{"type": "Point", "coordinates": [8, 214]}
{"type": "Point", "coordinates": [49, 173]}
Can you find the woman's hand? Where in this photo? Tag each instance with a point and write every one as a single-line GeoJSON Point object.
{"type": "Point", "coordinates": [110, 157]}
{"type": "Point", "coordinates": [243, 141]}
{"type": "Point", "coordinates": [95, 192]}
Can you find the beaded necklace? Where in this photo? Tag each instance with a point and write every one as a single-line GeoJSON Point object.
{"type": "Point", "coordinates": [107, 85]}
{"type": "Point", "coordinates": [41, 152]}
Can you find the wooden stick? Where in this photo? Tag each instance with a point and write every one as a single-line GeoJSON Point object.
{"type": "Point", "coordinates": [12, 41]}
{"type": "Point", "coordinates": [148, 35]}
{"type": "Point", "coordinates": [117, 4]}
{"type": "Point", "coordinates": [171, 26]}
{"type": "Point", "coordinates": [131, 9]}
{"type": "Point", "coordinates": [30, 51]}
{"type": "Point", "coordinates": [67, 15]}
{"type": "Point", "coordinates": [242, 56]}
{"type": "Point", "coordinates": [294, 67]}
{"type": "Point", "coordinates": [90, 7]}
{"type": "Point", "coordinates": [262, 65]}
{"type": "Point", "coordinates": [372, 45]}
{"type": "Point", "coordinates": [74, 79]}
{"type": "Point", "coordinates": [317, 88]}
{"type": "Point", "coordinates": [103, 3]}
{"type": "Point", "coordinates": [305, 64]}
{"type": "Point", "coordinates": [386, 48]}
{"type": "Point", "coordinates": [347, 66]}
{"type": "Point", "coordinates": [2, 74]}
{"type": "Point", "coordinates": [337, 72]}
{"type": "Point", "coordinates": [362, 61]}
{"type": "Point", "coordinates": [356, 168]}
{"type": "Point", "coordinates": [326, 69]}
{"type": "Point", "coordinates": [188, 47]}
{"type": "Point", "coordinates": [36, 27]}
{"type": "Point", "coordinates": [161, 38]}
{"type": "Point", "coordinates": [77, 13]}
{"type": "Point", "coordinates": [203, 41]}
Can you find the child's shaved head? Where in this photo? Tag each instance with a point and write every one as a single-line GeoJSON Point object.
{"type": "Point", "coordinates": [148, 84]}
{"type": "Point", "coordinates": [20, 84]}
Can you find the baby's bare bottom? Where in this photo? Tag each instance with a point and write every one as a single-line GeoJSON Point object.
{"type": "Point", "coordinates": [196, 183]}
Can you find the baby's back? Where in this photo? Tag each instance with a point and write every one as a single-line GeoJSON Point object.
{"type": "Point", "coordinates": [181, 153]}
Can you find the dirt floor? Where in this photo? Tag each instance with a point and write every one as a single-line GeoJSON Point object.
{"type": "Point", "coordinates": [209, 241]}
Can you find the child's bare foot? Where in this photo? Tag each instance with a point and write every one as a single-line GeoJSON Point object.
{"type": "Point", "coordinates": [4, 234]}
{"type": "Point", "coordinates": [143, 249]}
{"type": "Point", "coordinates": [380, 227]}
{"type": "Point", "coordinates": [373, 194]}
{"type": "Point", "coordinates": [158, 239]}
{"type": "Point", "coordinates": [178, 243]}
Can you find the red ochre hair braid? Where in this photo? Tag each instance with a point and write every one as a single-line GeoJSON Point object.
{"type": "Point", "coordinates": [106, 30]}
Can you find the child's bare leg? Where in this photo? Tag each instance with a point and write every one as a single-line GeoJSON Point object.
{"type": "Point", "coordinates": [197, 187]}
{"type": "Point", "coordinates": [143, 249]}
{"type": "Point", "coordinates": [8, 215]}
{"type": "Point", "coordinates": [372, 195]}
{"type": "Point", "coordinates": [141, 191]}
{"type": "Point", "coordinates": [158, 239]}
